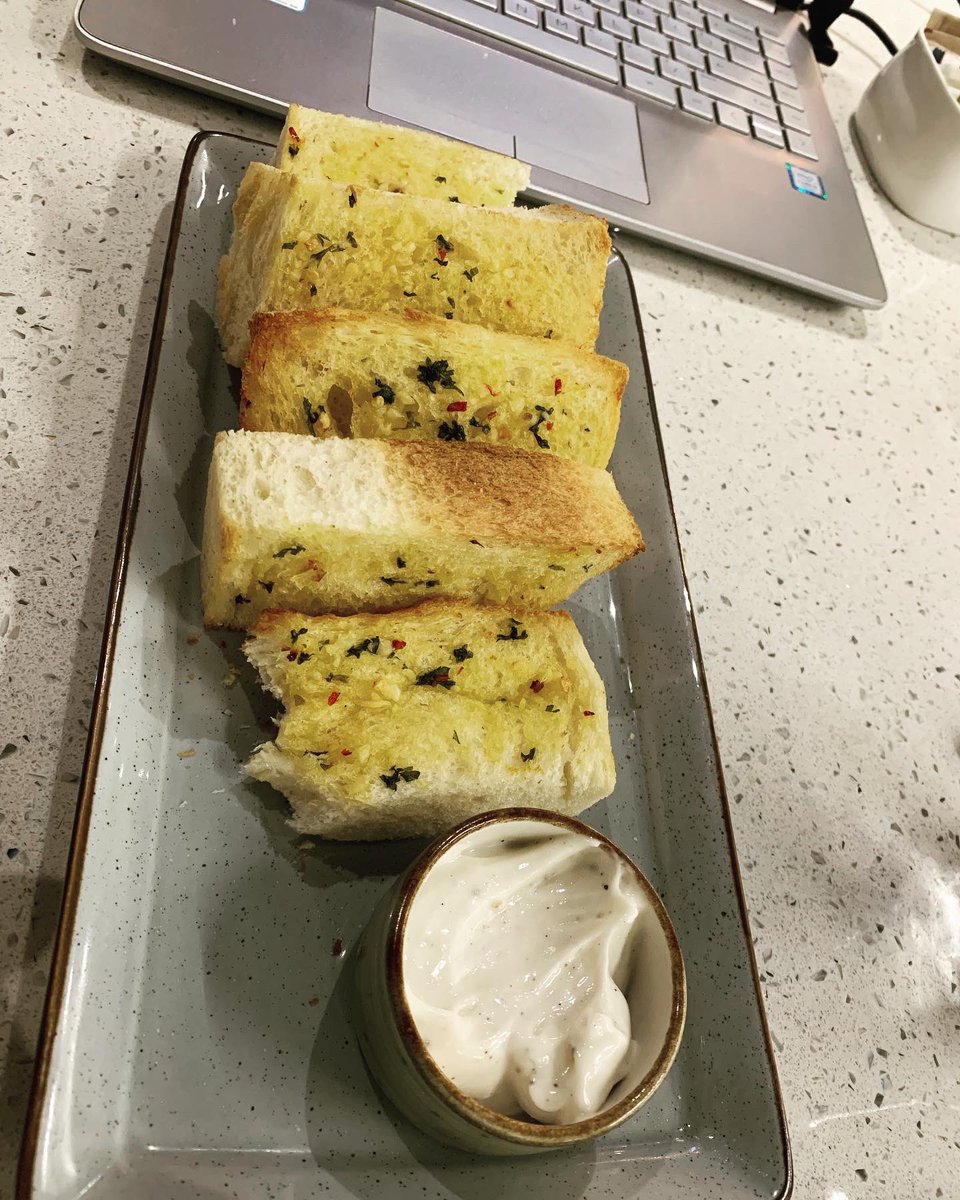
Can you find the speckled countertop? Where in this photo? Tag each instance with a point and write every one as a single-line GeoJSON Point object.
{"type": "Point", "coordinates": [814, 458]}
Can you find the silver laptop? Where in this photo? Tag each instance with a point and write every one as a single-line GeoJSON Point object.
{"type": "Point", "coordinates": [699, 123]}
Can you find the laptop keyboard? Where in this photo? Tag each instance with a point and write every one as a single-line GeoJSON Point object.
{"type": "Point", "coordinates": [688, 54]}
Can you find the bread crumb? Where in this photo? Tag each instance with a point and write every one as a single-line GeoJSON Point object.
{"type": "Point", "coordinates": [186, 753]}
{"type": "Point", "coordinates": [192, 641]}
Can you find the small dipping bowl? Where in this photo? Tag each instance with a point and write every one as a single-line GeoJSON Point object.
{"type": "Point", "coordinates": [398, 1058]}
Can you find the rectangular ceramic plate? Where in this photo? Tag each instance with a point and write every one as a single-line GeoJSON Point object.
{"type": "Point", "coordinates": [197, 1038]}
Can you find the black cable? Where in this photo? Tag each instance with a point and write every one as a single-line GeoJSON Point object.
{"type": "Point", "coordinates": [820, 16]}
{"type": "Point", "coordinates": [871, 24]}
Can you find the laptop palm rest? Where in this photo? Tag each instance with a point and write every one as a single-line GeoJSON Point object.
{"type": "Point", "coordinates": [434, 79]}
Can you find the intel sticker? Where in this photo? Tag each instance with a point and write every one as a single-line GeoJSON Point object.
{"type": "Point", "coordinates": [807, 182]}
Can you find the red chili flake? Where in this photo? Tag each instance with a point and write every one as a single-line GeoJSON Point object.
{"type": "Point", "coordinates": [493, 412]}
{"type": "Point", "coordinates": [441, 253]}
{"type": "Point", "coordinates": [457, 406]}
{"type": "Point", "coordinates": [490, 390]}
{"type": "Point", "coordinates": [333, 697]}
{"type": "Point", "coordinates": [292, 656]}
{"type": "Point", "coordinates": [346, 753]}
{"type": "Point", "coordinates": [528, 416]}
{"type": "Point", "coordinates": [337, 948]}
{"type": "Point", "coordinates": [549, 424]}
{"type": "Point", "coordinates": [294, 134]}
{"type": "Point", "coordinates": [587, 712]}
{"type": "Point", "coordinates": [398, 643]}
{"type": "Point", "coordinates": [557, 386]}
{"type": "Point", "coordinates": [536, 686]}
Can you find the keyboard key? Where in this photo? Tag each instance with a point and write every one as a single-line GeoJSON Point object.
{"type": "Point", "coordinates": [687, 54]}
{"type": "Point", "coordinates": [712, 45]}
{"type": "Point", "coordinates": [694, 102]}
{"type": "Point", "coordinates": [733, 117]}
{"type": "Point", "coordinates": [653, 41]}
{"type": "Point", "coordinates": [799, 143]}
{"type": "Point", "coordinates": [494, 4]}
{"type": "Point", "coordinates": [794, 120]}
{"type": "Point", "coordinates": [613, 6]}
{"type": "Point", "coordinates": [638, 56]}
{"type": "Point", "coordinates": [580, 11]}
{"type": "Point", "coordinates": [522, 10]}
{"type": "Point", "coordinates": [712, 7]}
{"type": "Point", "coordinates": [676, 29]}
{"type": "Point", "coordinates": [721, 89]}
{"type": "Point", "coordinates": [765, 132]}
{"type": "Point", "coordinates": [600, 41]}
{"type": "Point", "coordinates": [788, 96]}
{"type": "Point", "coordinates": [742, 75]}
{"type": "Point", "coordinates": [774, 51]}
{"type": "Point", "coordinates": [649, 85]}
{"type": "Point", "coordinates": [541, 41]}
{"type": "Point", "coordinates": [564, 27]}
{"type": "Point", "coordinates": [686, 12]}
{"type": "Point", "coordinates": [676, 72]}
{"type": "Point", "coordinates": [640, 14]}
{"type": "Point", "coordinates": [733, 33]}
{"type": "Point", "coordinates": [662, 6]}
{"type": "Point", "coordinates": [618, 26]}
{"type": "Point", "coordinates": [781, 74]}
{"type": "Point", "coordinates": [747, 58]}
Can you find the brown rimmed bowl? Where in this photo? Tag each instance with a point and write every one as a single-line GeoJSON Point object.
{"type": "Point", "coordinates": [399, 1060]}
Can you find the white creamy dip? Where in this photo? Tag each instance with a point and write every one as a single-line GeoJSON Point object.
{"type": "Point", "coordinates": [517, 954]}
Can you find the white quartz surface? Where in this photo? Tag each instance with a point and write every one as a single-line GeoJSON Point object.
{"type": "Point", "coordinates": [814, 458]}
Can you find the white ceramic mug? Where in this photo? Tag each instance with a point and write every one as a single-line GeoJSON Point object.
{"type": "Point", "coordinates": [908, 123]}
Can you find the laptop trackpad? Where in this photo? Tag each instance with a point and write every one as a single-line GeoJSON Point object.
{"type": "Point", "coordinates": [443, 82]}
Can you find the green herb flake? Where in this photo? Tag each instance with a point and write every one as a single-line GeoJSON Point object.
{"type": "Point", "coordinates": [456, 737]}
{"type": "Point", "coordinates": [352, 240]}
{"type": "Point", "coordinates": [297, 633]}
{"type": "Point", "coordinates": [313, 289]}
{"type": "Point", "coordinates": [516, 634]}
{"type": "Point", "coordinates": [303, 656]}
{"type": "Point", "coordinates": [293, 151]}
{"type": "Point", "coordinates": [409, 295]}
{"type": "Point", "coordinates": [529, 756]}
{"type": "Point", "coordinates": [298, 549]}
{"type": "Point", "coordinates": [462, 653]}
{"type": "Point", "coordinates": [266, 585]}
{"type": "Point", "coordinates": [552, 708]}
{"type": "Point", "coordinates": [454, 199]}
{"type": "Point", "coordinates": [433, 372]}
{"type": "Point", "coordinates": [384, 391]}
{"type": "Point", "coordinates": [390, 580]}
{"type": "Point", "coordinates": [438, 677]}
{"type": "Point", "coordinates": [555, 567]}
{"type": "Point", "coordinates": [336, 248]}
{"type": "Point", "coordinates": [351, 197]}
{"type": "Point", "coordinates": [481, 425]}
{"type": "Point", "coordinates": [288, 246]}
{"type": "Point", "coordinates": [451, 431]}
{"type": "Point", "coordinates": [471, 275]}
{"type": "Point", "coordinates": [443, 244]}
{"type": "Point", "coordinates": [238, 599]}
{"type": "Point", "coordinates": [406, 774]}
{"type": "Point", "coordinates": [312, 414]}
{"type": "Point", "coordinates": [370, 645]}
{"type": "Point", "coordinates": [440, 178]}
{"type": "Point", "coordinates": [427, 583]}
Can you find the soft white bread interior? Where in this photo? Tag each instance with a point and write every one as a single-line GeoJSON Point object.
{"type": "Point", "coordinates": [402, 724]}
{"type": "Point", "coordinates": [333, 372]}
{"type": "Point", "coordinates": [302, 243]}
{"type": "Point", "coordinates": [324, 145]}
{"type": "Point", "coordinates": [338, 525]}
